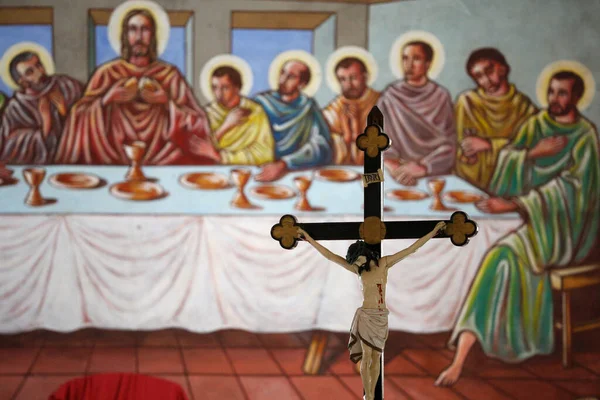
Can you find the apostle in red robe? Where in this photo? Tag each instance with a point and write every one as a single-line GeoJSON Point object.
{"type": "Point", "coordinates": [136, 98]}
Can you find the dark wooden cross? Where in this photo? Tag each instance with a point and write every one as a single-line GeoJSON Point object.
{"type": "Point", "coordinates": [372, 230]}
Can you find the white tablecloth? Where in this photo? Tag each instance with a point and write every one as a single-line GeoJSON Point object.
{"type": "Point", "coordinates": [205, 273]}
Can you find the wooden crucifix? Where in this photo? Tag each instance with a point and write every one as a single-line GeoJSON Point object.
{"type": "Point", "coordinates": [372, 230]}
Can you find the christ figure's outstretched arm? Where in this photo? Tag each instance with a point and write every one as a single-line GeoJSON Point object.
{"type": "Point", "coordinates": [393, 259]}
{"type": "Point", "coordinates": [325, 251]}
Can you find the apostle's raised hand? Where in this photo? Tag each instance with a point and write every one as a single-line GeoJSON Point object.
{"type": "Point", "coordinates": [547, 147]}
{"type": "Point", "coordinates": [152, 92]}
{"type": "Point", "coordinates": [272, 171]}
{"type": "Point", "coordinates": [123, 91]}
{"type": "Point", "coordinates": [496, 205]}
{"type": "Point", "coordinates": [237, 116]}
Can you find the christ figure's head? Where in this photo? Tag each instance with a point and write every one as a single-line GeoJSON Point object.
{"type": "Point", "coordinates": [362, 256]}
{"type": "Point", "coordinates": [138, 35]}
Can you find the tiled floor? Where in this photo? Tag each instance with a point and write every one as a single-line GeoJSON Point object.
{"type": "Point", "coordinates": [242, 365]}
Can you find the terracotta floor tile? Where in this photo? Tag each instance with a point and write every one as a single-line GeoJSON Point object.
{"type": "Point", "coordinates": [342, 365]}
{"type": "Point", "coordinates": [191, 339]}
{"type": "Point", "coordinates": [181, 380]}
{"type": "Point", "coordinates": [238, 338]}
{"type": "Point", "coordinates": [291, 360]}
{"type": "Point", "coordinates": [9, 386]}
{"type": "Point", "coordinates": [399, 365]}
{"type": "Point", "coordinates": [112, 359]}
{"type": "Point", "coordinates": [160, 360]}
{"type": "Point", "coordinates": [17, 360]}
{"type": "Point", "coordinates": [69, 360]}
{"type": "Point", "coordinates": [26, 339]}
{"type": "Point", "coordinates": [305, 336]}
{"type": "Point", "coordinates": [162, 338]}
{"type": "Point", "coordinates": [390, 390]}
{"type": "Point", "coordinates": [581, 388]}
{"type": "Point", "coordinates": [321, 387]}
{"type": "Point", "coordinates": [281, 340]}
{"type": "Point", "coordinates": [477, 389]}
{"type": "Point", "coordinates": [206, 361]}
{"type": "Point", "coordinates": [527, 389]}
{"type": "Point", "coordinates": [430, 360]}
{"type": "Point", "coordinates": [503, 371]}
{"type": "Point", "coordinates": [252, 362]}
{"type": "Point", "coordinates": [555, 370]}
{"type": "Point", "coordinates": [423, 389]}
{"type": "Point", "coordinates": [113, 338]}
{"type": "Point", "coordinates": [268, 388]}
{"type": "Point", "coordinates": [435, 340]}
{"type": "Point", "coordinates": [404, 340]}
{"type": "Point", "coordinates": [216, 388]}
{"type": "Point", "coordinates": [79, 338]}
{"type": "Point", "coordinates": [41, 387]}
{"type": "Point", "coordinates": [589, 360]}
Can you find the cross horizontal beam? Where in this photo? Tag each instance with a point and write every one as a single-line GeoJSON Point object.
{"type": "Point", "coordinates": [350, 230]}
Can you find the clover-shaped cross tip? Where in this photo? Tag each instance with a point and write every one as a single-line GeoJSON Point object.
{"type": "Point", "coordinates": [285, 232]}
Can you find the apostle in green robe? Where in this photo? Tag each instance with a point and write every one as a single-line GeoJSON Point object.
{"type": "Point", "coordinates": [550, 172]}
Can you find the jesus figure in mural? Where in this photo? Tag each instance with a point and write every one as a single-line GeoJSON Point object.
{"type": "Point", "coordinates": [369, 329]}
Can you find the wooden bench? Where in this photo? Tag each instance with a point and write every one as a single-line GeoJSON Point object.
{"type": "Point", "coordinates": [565, 280]}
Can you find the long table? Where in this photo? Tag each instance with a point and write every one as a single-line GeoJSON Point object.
{"type": "Point", "coordinates": [191, 261]}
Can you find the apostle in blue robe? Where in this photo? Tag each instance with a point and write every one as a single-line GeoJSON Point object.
{"type": "Point", "coordinates": [302, 138]}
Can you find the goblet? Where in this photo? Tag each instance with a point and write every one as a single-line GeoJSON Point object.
{"type": "Point", "coordinates": [303, 183]}
{"type": "Point", "coordinates": [437, 186]}
{"type": "Point", "coordinates": [135, 152]}
{"type": "Point", "coordinates": [34, 178]}
{"type": "Point", "coordinates": [240, 178]}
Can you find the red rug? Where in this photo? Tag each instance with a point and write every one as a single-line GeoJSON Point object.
{"type": "Point", "coordinates": [119, 387]}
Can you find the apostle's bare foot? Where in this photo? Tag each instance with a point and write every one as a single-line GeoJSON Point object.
{"type": "Point", "coordinates": [449, 376]}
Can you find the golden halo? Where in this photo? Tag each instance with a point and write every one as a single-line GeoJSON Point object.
{"type": "Point", "coordinates": [14, 50]}
{"type": "Point", "coordinates": [226, 60]}
{"type": "Point", "coordinates": [566, 65]}
{"type": "Point", "coordinates": [163, 25]}
{"type": "Point", "coordinates": [306, 58]}
{"type": "Point", "coordinates": [345, 52]}
{"type": "Point", "coordinates": [439, 57]}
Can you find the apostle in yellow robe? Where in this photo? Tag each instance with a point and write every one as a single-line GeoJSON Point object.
{"type": "Point", "coordinates": [241, 130]}
{"type": "Point", "coordinates": [347, 114]}
{"type": "Point", "coordinates": [487, 117]}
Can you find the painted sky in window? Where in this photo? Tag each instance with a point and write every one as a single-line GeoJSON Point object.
{"type": "Point", "coordinates": [13, 34]}
{"type": "Point", "coordinates": [259, 47]}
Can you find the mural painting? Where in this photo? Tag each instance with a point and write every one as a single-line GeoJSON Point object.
{"type": "Point", "coordinates": [160, 145]}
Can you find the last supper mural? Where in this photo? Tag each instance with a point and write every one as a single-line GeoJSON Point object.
{"type": "Point", "coordinates": [146, 149]}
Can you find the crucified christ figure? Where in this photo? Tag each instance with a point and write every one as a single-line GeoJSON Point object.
{"type": "Point", "coordinates": [369, 329]}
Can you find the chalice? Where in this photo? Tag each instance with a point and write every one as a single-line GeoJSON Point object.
{"type": "Point", "coordinates": [303, 183]}
{"type": "Point", "coordinates": [437, 186]}
{"type": "Point", "coordinates": [34, 178]}
{"type": "Point", "coordinates": [135, 152]}
{"type": "Point", "coordinates": [240, 178]}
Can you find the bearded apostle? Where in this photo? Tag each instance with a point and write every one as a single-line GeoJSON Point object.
{"type": "Point", "coordinates": [240, 127]}
{"type": "Point", "coordinates": [487, 117]}
{"type": "Point", "coordinates": [136, 98]}
{"type": "Point", "coordinates": [550, 172]}
{"type": "Point", "coordinates": [33, 120]}
{"type": "Point", "coordinates": [302, 138]}
{"type": "Point", "coordinates": [347, 114]}
{"type": "Point", "coordinates": [419, 120]}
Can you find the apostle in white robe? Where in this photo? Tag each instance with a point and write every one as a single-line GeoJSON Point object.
{"type": "Point", "coordinates": [419, 118]}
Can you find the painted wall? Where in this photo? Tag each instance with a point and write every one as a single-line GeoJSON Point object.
{"type": "Point", "coordinates": [531, 34]}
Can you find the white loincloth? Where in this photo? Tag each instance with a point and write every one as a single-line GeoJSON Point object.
{"type": "Point", "coordinates": [370, 325]}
